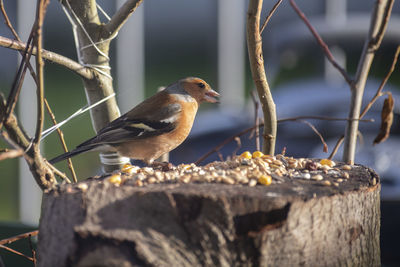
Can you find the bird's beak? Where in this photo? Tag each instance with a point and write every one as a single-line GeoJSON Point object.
{"type": "Point", "coordinates": [211, 96]}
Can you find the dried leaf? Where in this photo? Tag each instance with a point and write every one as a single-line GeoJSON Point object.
{"type": "Point", "coordinates": [386, 120]}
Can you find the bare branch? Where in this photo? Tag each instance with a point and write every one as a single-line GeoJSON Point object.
{"type": "Point", "coordinates": [223, 143]}
{"type": "Point", "coordinates": [12, 239]}
{"type": "Point", "coordinates": [7, 20]}
{"type": "Point", "coordinates": [321, 43]}
{"type": "Point", "coordinates": [317, 133]}
{"type": "Point", "coordinates": [321, 118]}
{"type": "Point", "coordinates": [18, 237]}
{"type": "Point", "coordinates": [271, 12]}
{"type": "Point", "coordinates": [33, 251]}
{"type": "Point", "coordinates": [61, 135]}
{"type": "Point", "coordinates": [70, 64]}
{"type": "Point", "coordinates": [41, 11]}
{"type": "Point", "coordinates": [245, 131]}
{"type": "Point", "coordinates": [379, 19]}
{"type": "Point", "coordinates": [44, 176]}
{"type": "Point", "coordinates": [16, 252]}
{"type": "Point", "coordinates": [254, 45]}
{"type": "Point", "coordinates": [336, 148]}
{"type": "Point", "coordinates": [383, 83]}
{"type": "Point", "coordinates": [33, 74]}
{"type": "Point", "coordinates": [256, 119]}
{"type": "Point", "coordinates": [16, 36]}
{"type": "Point", "coordinates": [9, 154]}
{"type": "Point", "coordinates": [18, 79]}
{"type": "Point", "coordinates": [59, 173]}
{"type": "Point", "coordinates": [121, 16]}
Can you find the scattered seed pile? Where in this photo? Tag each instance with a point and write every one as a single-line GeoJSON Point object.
{"type": "Point", "coordinates": [247, 169]}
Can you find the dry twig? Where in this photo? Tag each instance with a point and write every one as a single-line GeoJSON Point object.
{"type": "Point", "coordinates": [18, 80]}
{"type": "Point", "coordinates": [223, 143]}
{"type": "Point", "coordinates": [18, 237]}
{"type": "Point", "coordinates": [245, 131]}
{"type": "Point", "coordinates": [325, 149]}
{"type": "Point", "coordinates": [16, 252]}
{"type": "Point", "coordinates": [383, 83]}
{"type": "Point", "coordinates": [12, 239]}
{"type": "Point", "coordinates": [64, 145]}
{"type": "Point", "coordinates": [271, 12]}
{"type": "Point", "coordinates": [121, 16]}
{"type": "Point", "coordinates": [336, 148]}
{"type": "Point", "coordinates": [9, 154]}
{"type": "Point", "coordinates": [84, 72]}
{"type": "Point", "coordinates": [33, 74]}
{"type": "Point", "coordinates": [256, 119]}
{"type": "Point", "coordinates": [41, 11]}
{"type": "Point", "coordinates": [324, 118]}
{"type": "Point", "coordinates": [33, 251]}
{"type": "Point", "coordinates": [321, 43]}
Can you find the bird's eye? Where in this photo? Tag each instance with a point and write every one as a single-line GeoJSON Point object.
{"type": "Point", "coordinates": [201, 85]}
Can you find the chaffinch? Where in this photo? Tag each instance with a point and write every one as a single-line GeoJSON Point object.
{"type": "Point", "coordinates": [154, 127]}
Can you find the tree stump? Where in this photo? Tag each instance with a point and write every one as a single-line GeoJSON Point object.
{"type": "Point", "coordinates": [292, 222]}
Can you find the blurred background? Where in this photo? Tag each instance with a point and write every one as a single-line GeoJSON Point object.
{"type": "Point", "coordinates": [168, 40]}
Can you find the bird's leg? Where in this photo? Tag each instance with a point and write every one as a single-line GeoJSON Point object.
{"type": "Point", "coordinates": [164, 166]}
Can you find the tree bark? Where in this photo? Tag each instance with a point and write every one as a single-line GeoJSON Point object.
{"type": "Point", "coordinates": [292, 223]}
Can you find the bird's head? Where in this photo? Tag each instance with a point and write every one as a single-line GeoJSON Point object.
{"type": "Point", "coordinates": [199, 90]}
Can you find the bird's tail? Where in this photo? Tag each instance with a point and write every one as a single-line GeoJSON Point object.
{"type": "Point", "coordinates": [74, 152]}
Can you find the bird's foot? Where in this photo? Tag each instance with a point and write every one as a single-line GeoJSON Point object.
{"type": "Point", "coordinates": [163, 166]}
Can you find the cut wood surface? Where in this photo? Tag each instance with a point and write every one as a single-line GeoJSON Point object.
{"type": "Point", "coordinates": [292, 222]}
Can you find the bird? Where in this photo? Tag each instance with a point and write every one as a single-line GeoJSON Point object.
{"type": "Point", "coordinates": [155, 126]}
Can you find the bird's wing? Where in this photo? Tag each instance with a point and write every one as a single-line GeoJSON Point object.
{"type": "Point", "coordinates": [128, 127]}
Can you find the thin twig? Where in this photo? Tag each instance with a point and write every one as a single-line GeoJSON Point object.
{"type": "Point", "coordinates": [223, 143]}
{"type": "Point", "coordinates": [121, 16]}
{"type": "Point", "coordinates": [321, 42]}
{"type": "Point", "coordinates": [238, 145]}
{"type": "Point", "coordinates": [64, 145]}
{"type": "Point", "coordinates": [43, 176]}
{"type": "Point", "coordinates": [321, 118]}
{"type": "Point", "coordinates": [18, 80]}
{"type": "Point", "coordinates": [16, 36]}
{"type": "Point", "coordinates": [59, 173]}
{"type": "Point", "coordinates": [336, 148]}
{"type": "Point", "coordinates": [221, 158]}
{"type": "Point", "coordinates": [33, 74]}
{"type": "Point", "coordinates": [256, 119]}
{"type": "Point", "coordinates": [16, 252]}
{"type": "Point", "coordinates": [84, 72]}
{"type": "Point", "coordinates": [271, 12]}
{"type": "Point", "coordinates": [7, 20]}
{"type": "Point", "coordinates": [317, 133]}
{"type": "Point", "coordinates": [245, 131]}
{"type": "Point", "coordinates": [18, 237]}
{"type": "Point", "coordinates": [41, 11]}
{"type": "Point", "coordinates": [383, 83]}
{"type": "Point", "coordinates": [375, 42]}
{"type": "Point", "coordinates": [33, 251]}
{"type": "Point", "coordinates": [10, 154]}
